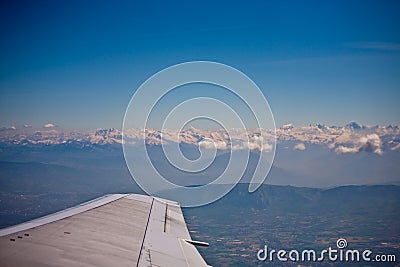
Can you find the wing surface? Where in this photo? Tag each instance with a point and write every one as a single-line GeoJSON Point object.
{"type": "Point", "coordinates": [114, 230]}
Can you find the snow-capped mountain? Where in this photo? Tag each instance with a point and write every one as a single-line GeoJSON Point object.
{"type": "Point", "coordinates": [351, 138]}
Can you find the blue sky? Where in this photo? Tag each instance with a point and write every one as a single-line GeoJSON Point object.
{"type": "Point", "coordinates": [77, 63]}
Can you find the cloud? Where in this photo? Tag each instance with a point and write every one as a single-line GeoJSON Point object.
{"type": "Point", "coordinates": [210, 144]}
{"type": "Point", "coordinates": [267, 147]}
{"type": "Point", "coordinates": [258, 143]}
{"type": "Point", "coordinates": [252, 146]}
{"type": "Point", "coordinates": [345, 150]}
{"type": "Point", "coordinates": [369, 143]}
{"type": "Point", "coordinates": [238, 141]}
{"type": "Point", "coordinates": [49, 125]}
{"type": "Point", "coordinates": [300, 146]}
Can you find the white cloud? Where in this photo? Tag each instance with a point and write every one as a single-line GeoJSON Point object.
{"type": "Point", "coordinates": [207, 144]}
{"type": "Point", "coordinates": [49, 125]}
{"type": "Point", "coordinates": [300, 146]}
{"type": "Point", "coordinates": [255, 143]}
{"type": "Point", "coordinates": [345, 150]}
{"type": "Point", "coordinates": [369, 143]}
{"type": "Point", "coordinates": [267, 147]}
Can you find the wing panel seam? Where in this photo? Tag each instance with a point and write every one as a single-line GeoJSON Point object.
{"type": "Point", "coordinates": [145, 232]}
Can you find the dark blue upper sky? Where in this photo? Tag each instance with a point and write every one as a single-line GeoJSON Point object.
{"type": "Point", "coordinates": [77, 63]}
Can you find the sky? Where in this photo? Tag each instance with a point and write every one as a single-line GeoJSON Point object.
{"type": "Point", "coordinates": [76, 64]}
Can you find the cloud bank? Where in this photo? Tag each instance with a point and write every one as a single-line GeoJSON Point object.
{"type": "Point", "coordinates": [369, 143]}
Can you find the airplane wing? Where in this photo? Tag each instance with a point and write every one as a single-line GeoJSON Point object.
{"type": "Point", "coordinates": [114, 230]}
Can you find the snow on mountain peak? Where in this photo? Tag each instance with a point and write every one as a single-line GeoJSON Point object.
{"type": "Point", "coordinates": [351, 138]}
{"type": "Point", "coordinates": [354, 126]}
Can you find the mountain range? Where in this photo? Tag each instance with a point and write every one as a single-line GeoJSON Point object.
{"type": "Point", "coordinates": [312, 156]}
{"type": "Point", "coordinates": [349, 139]}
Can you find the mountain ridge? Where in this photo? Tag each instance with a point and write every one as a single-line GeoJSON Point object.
{"type": "Point", "coordinates": [349, 139]}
